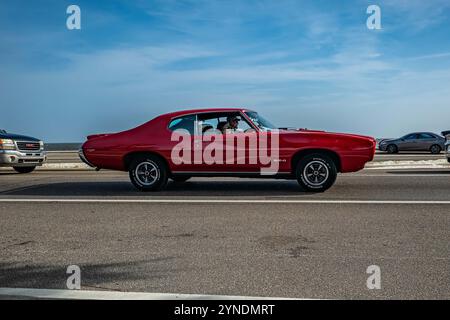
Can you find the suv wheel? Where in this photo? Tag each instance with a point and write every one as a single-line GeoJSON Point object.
{"type": "Point", "coordinates": [24, 169]}
{"type": "Point", "coordinates": [148, 173]}
{"type": "Point", "coordinates": [316, 172]}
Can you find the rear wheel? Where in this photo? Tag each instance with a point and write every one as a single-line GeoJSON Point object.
{"type": "Point", "coordinates": [392, 148]}
{"type": "Point", "coordinates": [24, 169]}
{"type": "Point", "coordinates": [148, 173]}
{"type": "Point", "coordinates": [316, 172]}
{"type": "Point", "coordinates": [180, 179]}
{"type": "Point", "coordinates": [435, 149]}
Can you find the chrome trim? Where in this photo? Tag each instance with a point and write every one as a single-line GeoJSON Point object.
{"type": "Point", "coordinates": [241, 111]}
{"type": "Point", "coordinates": [84, 159]}
{"type": "Point", "coordinates": [41, 148]}
{"type": "Point", "coordinates": [36, 158]}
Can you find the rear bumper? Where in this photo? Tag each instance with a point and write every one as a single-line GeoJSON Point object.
{"type": "Point", "coordinates": [14, 158]}
{"type": "Point", "coordinates": [84, 159]}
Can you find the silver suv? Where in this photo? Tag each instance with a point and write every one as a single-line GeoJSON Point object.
{"type": "Point", "coordinates": [21, 152]}
{"type": "Point", "coordinates": [446, 134]}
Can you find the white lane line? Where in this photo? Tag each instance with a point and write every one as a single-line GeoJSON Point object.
{"type": "Point", "coordinates": [223, 201]}
{"type": "Point", "coordinates": [116, 295]}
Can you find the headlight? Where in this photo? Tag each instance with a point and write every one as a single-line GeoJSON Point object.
{"type": "Point", "coordinates": [7, 144]}
{"type": "Point", "coordinates": [41, 144]}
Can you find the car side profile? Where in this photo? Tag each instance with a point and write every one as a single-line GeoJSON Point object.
{"type": "Point", "coordinates": [20, 152]}
{"type": "Point", "coordinates": [226, 142]}
{"type": "Point", "coordinates": [417, 141]}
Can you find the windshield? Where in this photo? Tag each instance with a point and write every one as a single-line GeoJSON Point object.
{"type": "Point", "coordinates": [259, 121]}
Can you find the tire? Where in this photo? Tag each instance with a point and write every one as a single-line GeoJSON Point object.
{"type": "Point", "coordinates": [141, 169]}
{"type": "Point", "coordinates": [316, 172]}
{"type": "Point", "coordinates": [24, 169]}
{"type": "Point", "coordinates": [392, 148]}
{"type": "Point", "coordinates": [180, 179]}
{"type": "Point", "coordinates": [435, 149]}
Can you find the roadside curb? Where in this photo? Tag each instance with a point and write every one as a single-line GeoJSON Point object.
{"type": "Point", "coordinates": [116, 295]}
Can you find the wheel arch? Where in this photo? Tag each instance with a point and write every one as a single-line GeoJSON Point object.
{"type": "Point", "coordinates": [128, 158]}
{"type": "Point", "coordinates": [302, 153]}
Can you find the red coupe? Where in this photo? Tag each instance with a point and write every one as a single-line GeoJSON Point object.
{"type": "Point", "coordinates": [226, 142]}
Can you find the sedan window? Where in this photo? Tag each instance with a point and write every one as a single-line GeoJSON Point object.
{"type": "Point", "coordinates": [411, 137]}
{"type": "Point", "coordinates": [426, 136]}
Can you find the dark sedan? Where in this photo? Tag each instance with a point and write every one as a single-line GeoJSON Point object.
{"type": "Point", "coordinates": [417, 141]}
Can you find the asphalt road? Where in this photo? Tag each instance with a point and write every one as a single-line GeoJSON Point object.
{"type": "Point", "coordinates": [277, 248]}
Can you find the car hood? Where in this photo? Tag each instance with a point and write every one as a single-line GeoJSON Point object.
{"type": "Point", "coordinates": [388, 140]}
{"type": "Point", "coordinates": [335, 134]}
{"type": "Point", "coordinates": [17, 137]}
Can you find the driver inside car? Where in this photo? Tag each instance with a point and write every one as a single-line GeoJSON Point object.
{"type": "Point", "coordinates": [231, 125]}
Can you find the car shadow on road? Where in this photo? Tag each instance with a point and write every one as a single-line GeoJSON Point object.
{"type": "Point", "coordinates": [190, 188]}
{"type": "Point", "coordinates": [94, 276]}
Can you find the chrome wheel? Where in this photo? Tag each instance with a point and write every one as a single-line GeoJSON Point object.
{"type": "Point", "coordinates": [147, 173]}
{"type": "Point", "coordinates": [316, 173]}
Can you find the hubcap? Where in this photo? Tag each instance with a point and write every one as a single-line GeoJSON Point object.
{"type": "Point", "coordinates": [147, 173]}
{"type": "Point", "coordinates": [316, 173]}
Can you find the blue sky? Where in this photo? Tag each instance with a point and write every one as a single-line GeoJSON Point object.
{"type": "Point", "coordinates": [307, 64]}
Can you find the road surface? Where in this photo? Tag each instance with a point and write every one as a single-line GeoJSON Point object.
{"type": "Point", "coordinates": [229, 236]}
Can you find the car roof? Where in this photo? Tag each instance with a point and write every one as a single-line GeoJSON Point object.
{"type": "Point", "coordinates": [193, 111]}
{"type": "Point", "coordinates": [420, 132]}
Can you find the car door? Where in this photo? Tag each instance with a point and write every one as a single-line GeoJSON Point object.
{"type": "Point", "coordinates": [408, 143]}
{"type": "Point", "coordinates": [425, 141]}
{"type": "Point", "coordinates": [240, 148]}
{"type": "Point", "coordinates": [181, 150]}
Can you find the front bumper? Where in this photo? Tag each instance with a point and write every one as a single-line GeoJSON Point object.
{"type": "Point", "coordinates": [15, 158]}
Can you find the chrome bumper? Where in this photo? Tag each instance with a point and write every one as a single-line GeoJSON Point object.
{"type": "Point", "coordinates": [15, 158]}
{"type": "Point", "coordinates": [83, 158]}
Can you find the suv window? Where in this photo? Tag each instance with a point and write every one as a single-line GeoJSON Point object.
{"type": "Point", "coordinates": [185, 122]}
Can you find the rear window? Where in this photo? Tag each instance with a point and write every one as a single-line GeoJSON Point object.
{"type": "Point", "coordinates": [186, 123]}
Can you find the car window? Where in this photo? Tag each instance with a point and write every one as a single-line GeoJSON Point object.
{"type": "Point", "coordinates": [212, 123]}
{"type": "Point", "coordinates": [426, 136]}
{"type": "Point", "coordinates": [186, 123]}
{"type": "Point", "coordinates": [260, 121]}
{"type": "Point", "coordinates": [411, 136]}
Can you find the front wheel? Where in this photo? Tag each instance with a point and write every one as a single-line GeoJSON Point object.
{"type": "Point", "coordinates": [24, 169]}
{"type": "Point", "coordinates": [392, 148]}
{"type": "Point", "coordinates": [316, 172]}
{"type": "Point", "coordinates": [148, 173]}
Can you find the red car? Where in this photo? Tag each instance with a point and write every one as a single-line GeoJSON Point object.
{"type": "Point", "coordinates": [226, 142]}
